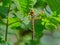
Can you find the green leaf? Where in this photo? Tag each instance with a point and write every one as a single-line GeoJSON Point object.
{"type": "Point", "coordinates": [50, 26]}
{"type": "Point", "coordinates": [54, 21]}
{"type": "Point", "coordinates": [14, 22]}
{"type": "Point", "coordinates": [40, 3]}
{"type": "Point", "coordinates": [38, 28]}
{"type": "Point", "coordinates": [54, 5]}
{"type": "Point", "coordinates": [3, 11]}
{"type": "Point", "coordinates": [6, 2]}
{"type": "Point", "coordinates": [25, 6]}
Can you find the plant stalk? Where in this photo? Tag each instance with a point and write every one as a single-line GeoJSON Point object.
{"type": "Point", "coordinates": [6, 33]}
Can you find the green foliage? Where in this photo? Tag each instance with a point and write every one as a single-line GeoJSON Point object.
{"type": "Point", "coordinates": [54, 5]}
{"type": "Point", "coordinates": [25, 6]}
{"type": "Point", "coordinates": [20, 20]}
{"type": "Point", "coordinates": [38, 28]}
{"type": "Point", "coordinates": [41, 3]}
{"type": "Point", "coordinates": [3, 11]}
{"type": "Point", "coordinates": [6, 2]}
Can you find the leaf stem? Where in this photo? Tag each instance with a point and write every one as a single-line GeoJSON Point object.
{"type": "Point", "coordinates": [6, 33]}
